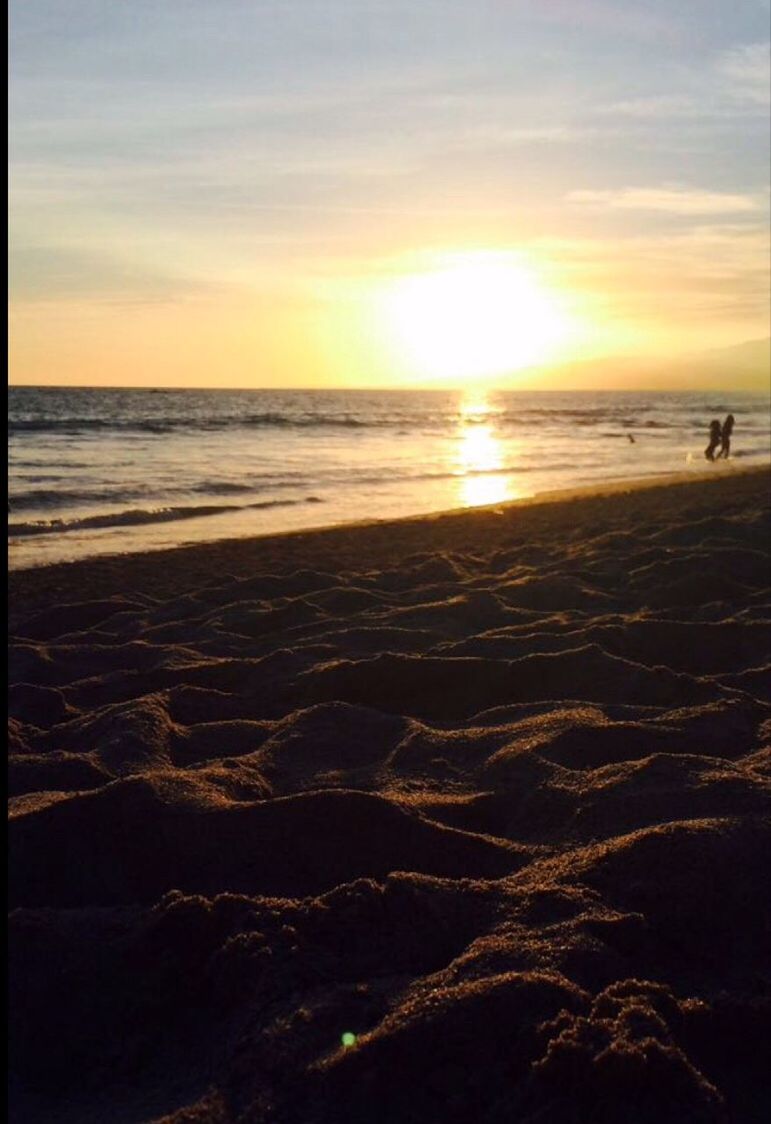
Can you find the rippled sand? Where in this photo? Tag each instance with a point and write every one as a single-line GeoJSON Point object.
{"type": "Point", "coordinates": [459, 819]}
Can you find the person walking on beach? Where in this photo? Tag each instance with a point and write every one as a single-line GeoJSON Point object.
{"type": "Point", "coordinates": [715, 437]}
{"type": "Point", "coordinates": [725, 437]}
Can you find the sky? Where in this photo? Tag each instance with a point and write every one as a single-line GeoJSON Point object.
{"type": "Point", "coordinates": [380, 192]}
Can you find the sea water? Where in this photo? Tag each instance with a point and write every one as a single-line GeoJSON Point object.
{"type": "Point", "coordinates": [95, 471]}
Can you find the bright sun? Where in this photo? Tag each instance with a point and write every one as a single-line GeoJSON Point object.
{"type": "Point", "coordinates": [473, 315]}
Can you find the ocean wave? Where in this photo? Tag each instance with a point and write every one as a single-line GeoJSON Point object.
{"type": "Point", "coordinates": [42, 498]}
{"type": "Point", "coordinates": [157, 427]}
{"type": "Point", "coordinates": [255, 482]}
{"type": "Point", "coordinates": [222, 488]}
{"type": "Point", "coordinates": [433, 420]}
{"type": "Point", "coordinates": [23, 463]}
{"type": "Point", "coordinates": [462, 473]}
{"type": "Point", "coordinates": [50, 498]}
{"type": "Point", "coordinates": [39, 477]}
{"type": "Point", "coordinates": [138, 516]}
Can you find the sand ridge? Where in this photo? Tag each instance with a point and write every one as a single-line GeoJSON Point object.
{"type": "Point", "coordinates": [489, 793]}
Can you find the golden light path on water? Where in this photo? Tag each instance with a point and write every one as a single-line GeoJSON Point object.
{"type": "Point", "coordinates": [481, 455]}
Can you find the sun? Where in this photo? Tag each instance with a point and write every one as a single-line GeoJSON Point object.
{"type": "Point", "coordinates": [472, 315]}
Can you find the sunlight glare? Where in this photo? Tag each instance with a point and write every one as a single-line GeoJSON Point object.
{"type": "Point", "coordinates": [474, 315]}
{"type": "Point", "coordinates": [480, 455]}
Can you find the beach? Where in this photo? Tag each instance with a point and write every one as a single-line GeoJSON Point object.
{"type": "Point", "coordinates": [462, 817]}
{"type": "Point", "coordinates": [98, 471]}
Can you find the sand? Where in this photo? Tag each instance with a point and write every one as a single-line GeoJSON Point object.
{"type": "Point", "coordinates": [460, 819]}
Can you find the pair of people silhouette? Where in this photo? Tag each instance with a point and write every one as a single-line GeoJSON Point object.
{"type": "Point", "coordinates": [719, 435]}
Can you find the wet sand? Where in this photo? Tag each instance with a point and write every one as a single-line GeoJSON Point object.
{"type": "Point", "coordinates": [463, 818]}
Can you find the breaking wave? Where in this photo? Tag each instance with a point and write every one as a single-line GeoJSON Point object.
{"type": "Point", "coordinates": [139, 516]}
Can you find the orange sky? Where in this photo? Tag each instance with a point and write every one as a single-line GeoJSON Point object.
{"type": "Point", "coordinates": [244, 197]}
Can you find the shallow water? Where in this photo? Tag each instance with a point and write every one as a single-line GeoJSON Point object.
{"type": "Point", "coordinates": [94, 471]}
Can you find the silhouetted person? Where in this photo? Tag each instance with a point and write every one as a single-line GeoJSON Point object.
{"type": "Point", "coordinates": [631, 439]}
{"type": "Point", "coordinates": [725, 437]}
{"type": "Point", "coordinates": [715, 437]}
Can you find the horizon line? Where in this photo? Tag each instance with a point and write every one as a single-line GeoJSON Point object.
{"type": "Point", "coordinates": [401, 388]}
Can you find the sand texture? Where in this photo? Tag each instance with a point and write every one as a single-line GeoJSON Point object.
{"type": "Point", "coordinates": [487, 792]}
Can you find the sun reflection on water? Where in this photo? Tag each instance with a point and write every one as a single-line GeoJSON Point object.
{"type": "Point", "coordinates": [480, 455]}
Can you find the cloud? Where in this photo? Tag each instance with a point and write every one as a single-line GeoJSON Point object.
{"type": "Point", "coordinates": [735, 82]}
{"type": "Point", "coordinates": [659, 106]}
{"type": "Point", "coordinates": [746, 72]}
{"type": "Point", "coordinates": [709, 273]}
{"type": "Point", "coordinates": [48, 272]}
{"type": "Point", "coordinates": [674, 201]}
{"type": "Point", "coordinates": [487, 135]}
{"type": "Point", "coordinates": [638, 21]}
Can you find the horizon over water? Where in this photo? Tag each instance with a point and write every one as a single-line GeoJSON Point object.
{"type": "Point", "coordinates": [99, 471]}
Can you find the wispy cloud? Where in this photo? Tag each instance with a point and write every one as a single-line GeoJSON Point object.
{"type": "Point", "coordinates": [659, 106]}
{"type": "Point", "coordinates": [698, 273]}
{"type": "Point", "coordinates": [51, 275]}
{"type": "Point", "coordinates": [746, 71]}
{"type": "Point", "coordinates": [503, 136]}
{"type": "Point", "coordinates": [637, 20]}
{"type": "Point", "coordinates": [736, 81]}
{"type": "Point", "coordinates": [674, 201]}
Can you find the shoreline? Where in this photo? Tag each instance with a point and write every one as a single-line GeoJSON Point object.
{"type": "Point", "coordinates": [205, 559]}
{"type": "Point", "coordinates": [296, 464]}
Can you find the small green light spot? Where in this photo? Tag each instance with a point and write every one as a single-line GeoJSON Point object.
{"type": "Point", "coordinates": [348, 1039]}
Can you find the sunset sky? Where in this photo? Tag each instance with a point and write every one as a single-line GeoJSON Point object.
{"type": "Point", "coordinates": [374, 192]}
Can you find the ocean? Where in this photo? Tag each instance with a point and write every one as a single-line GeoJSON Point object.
{"type": "Point", "coordinates": [95, 471]}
